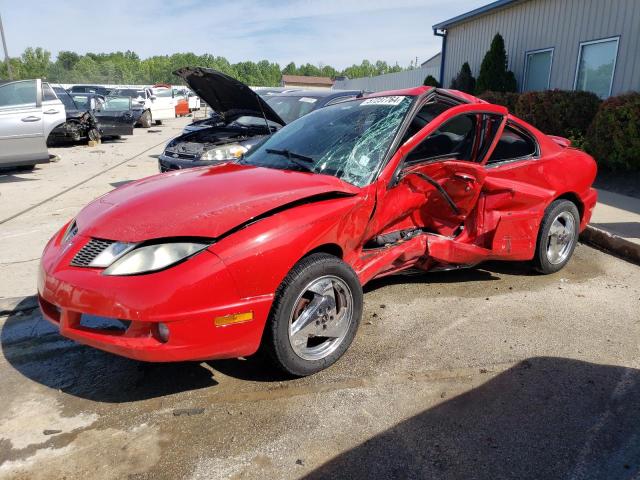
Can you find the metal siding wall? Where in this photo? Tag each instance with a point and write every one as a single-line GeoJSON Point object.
{"type": "Point", "coordinates": [390, 81]}
{"type": "Point", "coordinates": [561, 24]}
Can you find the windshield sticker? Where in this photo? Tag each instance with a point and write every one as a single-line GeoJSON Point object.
{"type": "Point", "coordinates": [393, 100]}
{"type": "Point", "coordinates": [308, 99]}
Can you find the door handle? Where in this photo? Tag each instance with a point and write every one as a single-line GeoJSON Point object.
{"type": "Point", "coordinates": [30, 119]}
{"type": "Point", "coordinates": [51, 111]}
{"type": "Point", "coordinates": [465, 177]}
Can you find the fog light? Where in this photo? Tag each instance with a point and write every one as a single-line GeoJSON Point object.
{"type": "Point", "coordinates": [163, 332]}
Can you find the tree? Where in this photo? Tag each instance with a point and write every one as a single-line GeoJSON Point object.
{"type": "Point", "coordinates": [35, 63]}
{"type": "Point", "coordinates": [494, 74]}
{"type": "Point", "coordinates": [464, 81]}
{"type": "Point", "coordinates": [430, 81]}
{"type": "Point", "coordinates": [290, 69]}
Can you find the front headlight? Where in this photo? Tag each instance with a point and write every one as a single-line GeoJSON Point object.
{"type": "Point", "coordinates": [151, 258]}
{"type": "Point", "coordinates": [224, 152]}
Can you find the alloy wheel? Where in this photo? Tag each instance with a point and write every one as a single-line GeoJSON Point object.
{"type": "Point", "coordinates": [561, 237]}
{"type": "Point", "coordinates": [321, 317]}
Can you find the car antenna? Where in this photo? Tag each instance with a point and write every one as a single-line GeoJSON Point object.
{"type": "Point", "coordinates": [266, 122]}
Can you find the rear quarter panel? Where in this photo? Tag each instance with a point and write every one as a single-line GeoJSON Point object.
{"type": "Point", "coordinates": [516, 194]}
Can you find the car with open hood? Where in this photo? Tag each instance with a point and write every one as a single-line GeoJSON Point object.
{"type": "Point", "coordinates": [241, 117]}
{"type": "Point", "coordinates": [273, 250]}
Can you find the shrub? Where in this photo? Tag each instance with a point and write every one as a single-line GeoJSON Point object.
{"type": "Point", "coordinates": [558, 112]}
{"type": "Point", "coordinates": [494, 75]}
{"type": "Point", "coordinates": [506, 99]}
{"type": "Point", "coordinates": [464, 81]}
{"type": "Point", "coordinates": [614, 136]}
{"type": "Point", "coordinates": [430, 81]}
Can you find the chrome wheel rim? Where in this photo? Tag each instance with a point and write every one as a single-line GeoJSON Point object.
{"type": "Point", "coordinates": [321, 317]}
{"type": "Point", "coordinates": [561, 237]}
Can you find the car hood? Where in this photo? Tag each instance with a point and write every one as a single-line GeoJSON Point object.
{"type": "Point", "coordinates": [201, 202]}
{"type": "Point", "coordinates": [226, 95]}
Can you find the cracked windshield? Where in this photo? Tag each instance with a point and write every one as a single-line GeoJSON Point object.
{"type": "Point", "coordinates": [347, 140]}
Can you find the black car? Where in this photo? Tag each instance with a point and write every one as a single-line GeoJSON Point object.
{"type": "Point", "coordinates": [97, 89]}
{"type": "Point", "coordinates": [81, 122]}
{"type": "Point", "coordinates": [114, 115]}
{"type": "Point", "coordinates": [242, 117]}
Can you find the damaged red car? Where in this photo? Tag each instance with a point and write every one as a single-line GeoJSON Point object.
{"type": "Point", "coordinates": [272, 251]}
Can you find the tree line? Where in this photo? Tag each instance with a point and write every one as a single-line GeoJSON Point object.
{"type": "Point", "coordinates": [128, 68]}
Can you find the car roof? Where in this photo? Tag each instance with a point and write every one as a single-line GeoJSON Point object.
{"type": "Point", "coordinates": [417, 91]}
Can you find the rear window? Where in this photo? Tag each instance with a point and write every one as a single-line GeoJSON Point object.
{"type": "Point", "coordinates": [513, 144]}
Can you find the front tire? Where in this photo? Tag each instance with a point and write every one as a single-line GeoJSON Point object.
{"type": "Point", "coordinates": [315, 315]}
{"type": "Point", "coordinates": [557, 237]}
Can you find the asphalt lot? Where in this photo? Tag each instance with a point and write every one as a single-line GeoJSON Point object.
{"type": "Point", "coordinates": [487, 373]}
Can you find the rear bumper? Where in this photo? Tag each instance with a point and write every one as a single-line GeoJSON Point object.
{"type": "Point", "coordinates": [187, 299]}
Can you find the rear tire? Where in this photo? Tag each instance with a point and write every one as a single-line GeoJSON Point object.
{"type": "Point", "coordinates": [158, 122]}
{"type": "Point", "coordinates": [315, 315]}
{"type": "Point", "coordinates": [557, 237]}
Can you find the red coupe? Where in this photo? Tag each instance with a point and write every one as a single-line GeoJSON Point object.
{"type": "Point", "coordinates": [272, 250]}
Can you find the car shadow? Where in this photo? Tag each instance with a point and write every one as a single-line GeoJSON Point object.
{"type": "Point", "coordinates": [12, 177]}
{"type": "Point", "coordinates": [551, 418]}
{"type": "Point", "coordinates": [256, 368]}
{"type": "Point", "coordinates": [34, 348]}
{"type": "Point", "coordinates": [484, 272]}
{"type": "Point", "coordinates": [120, 184]}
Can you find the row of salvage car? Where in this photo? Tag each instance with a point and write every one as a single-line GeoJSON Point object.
{"type": "Point", "coordinates": [35, 114]}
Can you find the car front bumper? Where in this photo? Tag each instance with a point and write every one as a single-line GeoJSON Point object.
{"type": "Point", "coordinates": [189, 299]}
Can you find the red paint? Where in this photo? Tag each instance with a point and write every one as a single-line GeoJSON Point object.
{"type": "Point", "coordinates": [500, 208]}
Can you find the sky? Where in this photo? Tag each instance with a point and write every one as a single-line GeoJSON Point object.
{"type": "Point", "coordinates": [330, 32]}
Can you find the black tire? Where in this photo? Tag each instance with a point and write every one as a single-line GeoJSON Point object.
{"type": "Point", "coordinates": [276, 342]}
{"type": "Point", "coordinates": [146, 120]}
{"type": "Point", "coordinates": [541, 260]}
{"type": "Point", "coordinates": [158, 122]}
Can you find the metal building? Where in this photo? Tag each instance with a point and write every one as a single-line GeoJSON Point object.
{"type": "Point", "coordinates": [389, 81]}
{"type": "Point", "coordinates": [566, 44]}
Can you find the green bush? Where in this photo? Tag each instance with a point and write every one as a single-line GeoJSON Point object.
{"type": "Point", "coordinates": [614, 136]}
{"type": "Point", "coordinates": [494, 74]}
{"type": "Point", "coordinates": [506, 99]}
{"type": "Point", "coordinates": [558, 112]}
{"type": "Point", "coordinates": [430, 81]}
{"type": "Point", "coordinates": [464, 81]}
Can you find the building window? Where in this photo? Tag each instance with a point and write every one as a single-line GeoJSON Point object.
{"type": "Point", "coordinates": [596, 66]}
{"type": "Point", "coordinates": [537, 70]}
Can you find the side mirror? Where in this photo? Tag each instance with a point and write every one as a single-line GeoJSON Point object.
{"type": "Point", "coordinates": [152, 97]}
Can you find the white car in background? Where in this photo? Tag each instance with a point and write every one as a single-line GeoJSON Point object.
{"type": "Point", "coordinates": [163, 105]}
{"type": "Point", "coordinates": [194, 101]}
{"type": "Point", "coordinates": [158, 103]}
{"type": "Point", "coordinates": [29, 111]}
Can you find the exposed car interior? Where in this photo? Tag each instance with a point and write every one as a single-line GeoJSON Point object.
{"type": "Point", "coordinates": [513, 144]}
